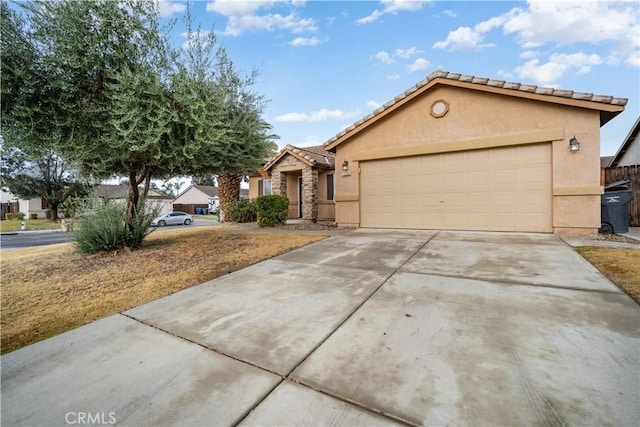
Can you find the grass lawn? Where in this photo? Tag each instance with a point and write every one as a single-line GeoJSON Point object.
{"type": "Point", "coordinates": [49, 290]}
{"type": "Point", "coordinates": [620, 265]}
{"type": "Point", "coordinates": [32, 224]}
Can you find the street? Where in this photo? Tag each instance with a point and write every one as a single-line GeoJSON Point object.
{"type": "Point", "coordinates": [29, 239]}
{"type": "Point", "coordinates": [18, 240]}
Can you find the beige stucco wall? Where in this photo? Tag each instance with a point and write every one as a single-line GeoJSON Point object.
{"type": "Point", "coordinates": [326, 207]}
{"type": "Point", "coordinates": [253, 186]}
{"type": "Point", "coordinates": [482, 120]}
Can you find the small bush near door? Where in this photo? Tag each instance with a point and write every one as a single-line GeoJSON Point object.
{"type": "Point", "coordinates": [272, 210]}
{"type": "Point", "coordinates": [242, 211]}
{"type": "Point", "coordinates": [19, 216]}
{"type": "Point", "coordinates": [33, 216]}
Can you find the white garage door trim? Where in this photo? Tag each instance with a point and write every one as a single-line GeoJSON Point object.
{"type": "Point", "coordinates": [495, 189]}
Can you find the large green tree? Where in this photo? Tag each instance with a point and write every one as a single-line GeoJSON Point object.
{"type": "Point", "coordinates": [32, 162]}
{"type": "Point", "coordinates": [120, 100]}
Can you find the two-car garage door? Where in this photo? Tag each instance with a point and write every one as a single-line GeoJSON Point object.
{"type": "Point", "coordinates": [497, 189]}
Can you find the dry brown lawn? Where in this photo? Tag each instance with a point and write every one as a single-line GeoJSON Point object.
{"type": "Point", "coordinates": [49, 290]}
{"type": "Point", "coordinates": [620, 265]}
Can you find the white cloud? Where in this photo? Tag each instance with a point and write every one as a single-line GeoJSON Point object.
{"type": "Point", "coordinates": [418, 64]}
{"type": "Point", "coordinates": [634, 58]}
{"type": "Point", "coordinates": [237, 25]}
{"type": "Point", "coordinates": [463, 38]}
{"type": "Point", "coordinates": [243, 16]}
{"type": "Point", "coordinates": [321, 115]}
{"type": "Point", "coordinates": [467, 38]}
{"type": "Point", "coordinates": [373, 105]}
{"type": "Point", "coordinates": [450, 13]}
{"type": "Point", "coordinates": [168, 7]}
{"type": "Point", "coordinates": [392, 7]}
{"type": "Point", "coordinates": [528, 54]}
{"type": "Point", "coordinates": [302, 41]}
{"type": "Point", "coordinates": [393, 77]}
{"type": "Point", "coordinates": [568, 22]}
{"type": "Point", "coordinates": [384, 57]}
{"type": "Point", "coordinates": [559, 23]}
{"type": "Point", "coordinates": [408, 53]}
{"type": "Point", "coordinates": [548, 73]}
{"type": "Point", "coordinates": [237, 7]}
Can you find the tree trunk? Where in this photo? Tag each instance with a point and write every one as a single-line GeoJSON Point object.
{"type": "Point", "coordinates": [132, 200]}
{"type": "Point", "coordinates": [228, 192]}
{"type": "Point", "coordinates": [134, 194]}
{"type": "Point", "coordinates": [54, 211]}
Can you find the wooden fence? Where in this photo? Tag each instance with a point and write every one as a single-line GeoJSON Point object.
{"type": "Point", "coordinates": [632, 173]}
{"type": "Point", "coordinates": [9, 207]}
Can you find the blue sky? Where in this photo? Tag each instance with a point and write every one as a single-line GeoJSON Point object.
{"type": "Point", "coordinates": [325, 64]}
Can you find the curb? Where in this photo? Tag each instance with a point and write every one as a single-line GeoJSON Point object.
{"type": "Point", "coordinates": [13, 233]}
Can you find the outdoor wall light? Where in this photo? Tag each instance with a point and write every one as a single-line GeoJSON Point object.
{"type": "Point", "coordinates": [345, 166]}
{"type": "Point", "coordinates": [574, 145]}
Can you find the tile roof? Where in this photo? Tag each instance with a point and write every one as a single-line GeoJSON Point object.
{"type": "Point", "coordinates": [483, 81]}
{"type": "Point", "coordinates": [111, 191]}
{"type": "Point", "coordinates": [209, 190]}
{"type": "Point", "coordinates": [315, 156]}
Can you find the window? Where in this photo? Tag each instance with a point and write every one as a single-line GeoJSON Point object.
{"type": "Point", "coordinates": [330, 186]}
{"type": "Point", "coordinates": [264, 187]}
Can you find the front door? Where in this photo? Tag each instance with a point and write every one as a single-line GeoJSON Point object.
{"type": "Point", "coordinates": [299, 197]}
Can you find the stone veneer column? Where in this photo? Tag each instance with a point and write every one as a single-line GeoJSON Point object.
{"type": "Point", "coordinates": [278, 182]}
{"type": "Point", "coordinates": [309, 194]}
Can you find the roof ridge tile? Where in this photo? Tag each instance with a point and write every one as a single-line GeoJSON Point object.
{"type": "Point", "coordinates": [515, 86]}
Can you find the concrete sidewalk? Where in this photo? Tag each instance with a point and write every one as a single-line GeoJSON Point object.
{"type": "Point", "coordinates": [370, 327]}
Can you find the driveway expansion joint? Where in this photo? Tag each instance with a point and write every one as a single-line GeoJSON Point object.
{"type": "Point", "coordinates": [354, 403]}
{"type": "Point", "coordinates": [518, 283]}
{"type": "Point", "coordinates": [204, 346]}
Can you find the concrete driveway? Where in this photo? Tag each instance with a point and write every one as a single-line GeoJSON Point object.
{"type": "Point", "coordinates": [371, 327]}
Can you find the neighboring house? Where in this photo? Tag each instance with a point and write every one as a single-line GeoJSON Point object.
{"type": "Point", "coordinates": [118, 194]}
{"type": "Point", "coordinates": [625, 165]}
{"type": "Point", "coordinates": [629, 152]}
{"type": "Point", "coordinates": [306, 176]}
{"type": "Point", "coordinates": [199, 197]}
{"type": "Point", "coordinates": [12, 204]}
{"type": "Point", "coordinates": [459, 152]}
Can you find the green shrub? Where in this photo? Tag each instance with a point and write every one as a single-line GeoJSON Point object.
{"type": "Point", "coordinates": [19, 216]}
{"type": "Point", "coordinates": [272, 210]}
{"type": "Point", "coordinates": [33, 216]}
{"type": "Point", "coordinates": [9, 216]}
{"type": "Point", "coordinates": [104, 229]}
{"type": "Point", "coordinates": [47, 213]}
{"type": "Point", "coordinates": [242, 211]}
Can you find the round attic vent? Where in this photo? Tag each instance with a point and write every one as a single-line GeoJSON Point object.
{"type": "Point", "coordinates": [439, 108]}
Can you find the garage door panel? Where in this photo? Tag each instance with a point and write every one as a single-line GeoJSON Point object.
{"type": "Point", "coordinates": [502, 189]}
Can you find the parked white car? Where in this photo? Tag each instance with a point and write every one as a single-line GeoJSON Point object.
{"type": "Point", "coordinates": [173, 218]}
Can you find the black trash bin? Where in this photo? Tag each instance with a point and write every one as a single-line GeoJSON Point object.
{"type": "Point", "coordinates": [614, 211]}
